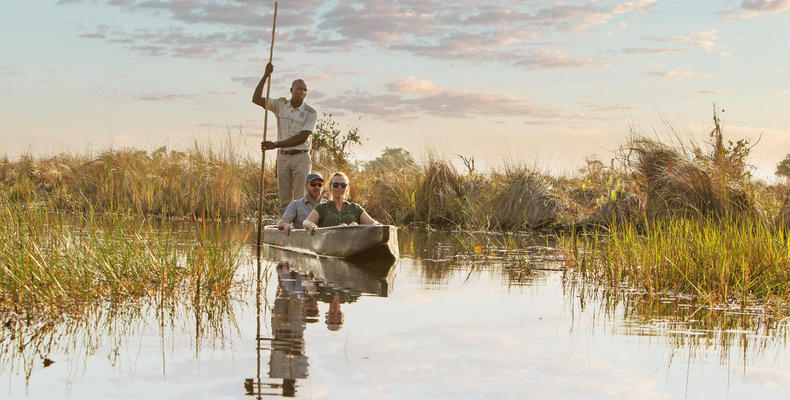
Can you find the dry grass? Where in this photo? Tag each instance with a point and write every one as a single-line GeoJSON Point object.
{"type": "Point", "coordinates": [647, 180]}
{"type": "Point", "coordinates": [127, 181]}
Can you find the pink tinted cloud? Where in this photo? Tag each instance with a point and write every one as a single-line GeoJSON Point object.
{"type": "Point", "coordinates": [159, 96]}
{"type": "Point", "coordinates": [226, 12]}
{"type": "Point", "coordinates": [412, 97]}
{"type": "Point", "coordinates": [607, 107]}
{"type": "Point", "coordinates": [179, 42]}
{"type": "Point", "coordinates": [487, 31]}
{"type": "Point", "coordinates": [705, 40]}
{"type": "Point", "coordinates": [554, 59]}
{"type": "Point", "coordinates": [754, 8]}
{"type": "Point", "coordinates": [679, 73]}
{"type": "Point", "coordinates": [93, 35]}
{"type": "Point", "coordinates": [412, 85]}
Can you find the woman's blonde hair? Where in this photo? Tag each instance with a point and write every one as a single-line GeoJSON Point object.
{"type": "Point", "coordinates": [338, 173]}
{"type": "Point", "coordinates": [348, 181]}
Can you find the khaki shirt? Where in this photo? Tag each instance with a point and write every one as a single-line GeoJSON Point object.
{"type": "Point", "coordinates": [291, 121]}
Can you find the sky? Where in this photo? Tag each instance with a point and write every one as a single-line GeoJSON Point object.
{"type": "Point", "coordinates": [539, 83]}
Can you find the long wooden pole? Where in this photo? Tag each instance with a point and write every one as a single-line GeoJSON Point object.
{"type": "Point", "coordinates": [260, 218]}
{"type": "Point", "coordinates": [263, 152]}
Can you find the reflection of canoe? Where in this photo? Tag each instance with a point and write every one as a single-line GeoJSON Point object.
{"type": "Point", "coordinates": [355, 242]}
{"type": "Point", "coordinates": [373, 276]}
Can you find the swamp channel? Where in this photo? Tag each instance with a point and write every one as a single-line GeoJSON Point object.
{"type": "Point", "coordinates": [460, 316]}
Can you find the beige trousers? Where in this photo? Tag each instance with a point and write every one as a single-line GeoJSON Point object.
{"type": "Point", "coordinates": [292, 171]}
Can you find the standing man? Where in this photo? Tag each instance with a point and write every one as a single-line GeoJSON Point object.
{"type": "Point", "coordinates": [299, 209]}
{"type": "Point", "coordinates": [295, 123]}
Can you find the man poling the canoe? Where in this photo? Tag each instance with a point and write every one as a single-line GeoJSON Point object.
{"type": "Point", "coordinates": [337, 211]}
{"type": "Point", "coordinates": [295, 123]}
{"type": "Point", "coordinates": [299, 209]}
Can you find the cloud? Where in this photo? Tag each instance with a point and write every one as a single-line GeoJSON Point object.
{"type": "Point", "coordinates": [715, 91]}
{"type": "Point", "coordinates": [710, 92]}
{"type": "Point", "coordinates": [705, 40]}
{"type": "Point", "coordinates": [488, 31]}
{"type": "Point", "coordinates": [8, 71]}
{"type": "Point", "coordinates": [227, 12]}
{"type": "Point", "coordinates": [607, 107]}
{"type": "Point", "coordinates": [631, 6]}
{"type": "Point", "coordinates": [159, 96]}
{"type": "Point", "coordinates": [677, 73]}
{"type": "Point", "coordinates": [553, 59]}
{"type": "Point", "coordinates": [652, 50]}
{"type": "Point", "coordinates": [93, 35]}
{"type": "Point", "coordinates": [247, 81]}
{"type": "Point", "coordinates": [181, 43]}
{"type": "Point", "coordinates": [412, 97]}
{"type": "Point", "coordinates": [413, 85]}
{"type": "Point", "coordinates": [338, 69]}
{"type": "Point", "coordinates": [754, 8]}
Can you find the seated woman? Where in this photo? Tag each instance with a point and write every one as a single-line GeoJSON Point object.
{"type": "Point", "coordinates": [337, 211]}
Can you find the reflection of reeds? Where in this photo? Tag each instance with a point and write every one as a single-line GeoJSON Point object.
{"type": "Point", "coordinates": [684, 325]}
{"type": "Point", "coordinates": [52, 267]}
{"type": "Point", "coordinates": [106, 329]}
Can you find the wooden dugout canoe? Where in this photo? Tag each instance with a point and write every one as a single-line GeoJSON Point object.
{"type": "Point", "coordinates": [356, 242]}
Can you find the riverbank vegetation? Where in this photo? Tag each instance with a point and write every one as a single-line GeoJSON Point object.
{"type": "Point", "coordinates": [58, 265]}
{"type": "Point", "coordinates": [668, 218]}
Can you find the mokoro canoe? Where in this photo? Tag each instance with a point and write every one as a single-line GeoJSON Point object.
{"type": "Point", "coordinates": [359, 242]}
{"type": "Point", "coordinates": [373, 276]}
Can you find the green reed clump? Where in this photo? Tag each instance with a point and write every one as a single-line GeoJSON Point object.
{"type": "Point", "coordinates": [50, 266]}
{"type": "Point", "coordinates": [741, 260]}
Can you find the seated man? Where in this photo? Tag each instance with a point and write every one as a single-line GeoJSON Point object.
{"type": "Point", "coordinates": [299, 209]}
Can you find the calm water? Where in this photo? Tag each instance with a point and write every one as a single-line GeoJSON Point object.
{"type": "Point", "coordinates": [446, 322]}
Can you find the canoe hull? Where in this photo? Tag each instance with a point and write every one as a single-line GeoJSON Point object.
{"type": "Point", "coordinates": [356, 242]}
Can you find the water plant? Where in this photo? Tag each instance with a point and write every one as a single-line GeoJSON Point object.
{"type": "Point", "coordinates": [53, 264]}
{"type": "Point", "coordinates": [737, 261]}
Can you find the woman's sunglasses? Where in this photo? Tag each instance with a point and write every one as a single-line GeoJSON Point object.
{"type": "Point", "coordinates": [340, 184]}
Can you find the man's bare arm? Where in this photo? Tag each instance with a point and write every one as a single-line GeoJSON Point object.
{"type": "Point", "coordinates": [294, 140]}
{"type": "Point", "coordinates": [257, 95]}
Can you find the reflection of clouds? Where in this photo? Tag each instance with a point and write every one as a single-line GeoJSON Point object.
{"type": "Point", "coordinates": [483, 362]}
{"type": "Point", "coordinates": [769, 377]}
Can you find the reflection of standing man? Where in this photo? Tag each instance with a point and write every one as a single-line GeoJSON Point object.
{"type": "Point", "coordinates": [287, 360]}
{"type": "Point", "coordinates": [295, 123]}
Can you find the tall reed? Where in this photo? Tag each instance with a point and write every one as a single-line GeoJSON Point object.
{"type": "Point", "coordinates": [50, 265]}
{"type": "Point", "coordinates": [739, 261]}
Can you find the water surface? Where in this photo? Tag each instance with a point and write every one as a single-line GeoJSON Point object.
{"type": "Point", "coordinates": [458, 316]}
